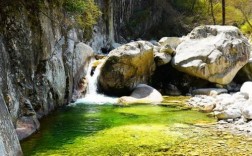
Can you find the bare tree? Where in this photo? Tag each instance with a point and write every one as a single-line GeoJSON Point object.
{"type": "Point", "coordinates": [245, 7]}
{"type": "Point", "coordinates": [212, 11]}
{"type": "Point", "coordinates": [223, 11]}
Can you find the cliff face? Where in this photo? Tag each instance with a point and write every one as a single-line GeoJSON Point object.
{"type": "Point", "coordinates": [126, 20]}
{"type": "Point", "coordinates": [9, 144]}
{"type": "Point", "coordinates": [39, 67]}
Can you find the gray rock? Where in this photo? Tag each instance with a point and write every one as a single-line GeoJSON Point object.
{"type": "Point", "coordinates": [126, 67]}
{"type": "Point", "coordinates": [247, 110]}
{"type": "Point", "coordinates": [162, 58]}
{"type": "Point", "coordinates": [82, 56]}
{"type": "Point", "coordinates": [39, 67]}
{"type": "Point", "coordinates": [209, 91]}
{"type": "Point", "coordinates": [9, 143]}
{"type": "Point", "coordinates": [168, 45]}
{"type": "Point", "coordinates": [142, 94]}
{"type": "Point", "coordinates": [173, 42]}
{"type": "Point", "coordinates": [229, 114]}
{"type": "Point", "coordinates": [247, 89]}
{"type": "Point", "coordinates": [213, 53]}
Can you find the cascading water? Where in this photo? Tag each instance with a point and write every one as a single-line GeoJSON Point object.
{"type": "Point", "coordinates": [92, 96]}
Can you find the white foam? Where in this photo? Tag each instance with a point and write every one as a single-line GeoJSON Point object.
{"type": "Point", "coordinates": [92, 96]}
{"type": "Point", "coordinates": [98, 99]}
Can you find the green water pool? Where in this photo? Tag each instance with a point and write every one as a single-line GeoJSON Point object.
{"type": "Point", "coordinates": [134, 130]}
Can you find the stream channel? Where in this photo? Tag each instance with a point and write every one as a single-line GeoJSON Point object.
{"type": "Point", "coordinates": [166, 129]}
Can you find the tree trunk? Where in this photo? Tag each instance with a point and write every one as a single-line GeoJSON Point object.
{"type": "Point", "coordinates": [223, 12]}
{"type": "Point", "coordinates": [212, 11]}
{"type": "Point", "coordinates": [193, 5]}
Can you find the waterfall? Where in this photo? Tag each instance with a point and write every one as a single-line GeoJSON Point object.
{"type": "Point", "coordinates": [92, 96]}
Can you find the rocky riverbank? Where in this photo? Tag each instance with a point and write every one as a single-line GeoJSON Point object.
{"type": "Point", "coordinates": [233, 111]}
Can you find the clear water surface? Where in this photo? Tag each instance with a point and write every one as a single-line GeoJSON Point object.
{"type": "Point", "coordinates": [94, 130]}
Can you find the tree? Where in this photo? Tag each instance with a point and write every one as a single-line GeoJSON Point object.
{"type": "Point", "coordinates": [212, 11]}
{"type": "Point", "coordinates": [245, 7]}
{"type": "Point", "coordinates": [223, 4]}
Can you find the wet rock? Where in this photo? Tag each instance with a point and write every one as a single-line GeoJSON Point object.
{"type": "Point", "coordinates": [27, 125]}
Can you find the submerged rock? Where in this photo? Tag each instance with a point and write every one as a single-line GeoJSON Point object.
{"type": "Point", "coordinates": [214, 53]}
{"type": "Point", "coordinates": [126, 67]}
{"type": "Point", "coordinates": [142, 94]}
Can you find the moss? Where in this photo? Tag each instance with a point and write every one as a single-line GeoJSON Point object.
{"type": "Point", "coordinates": [135, 130]}
{"type": "Point", "coordinates": [85, 14]}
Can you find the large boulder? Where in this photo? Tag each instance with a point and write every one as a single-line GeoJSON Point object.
{"type": "Point", "coordinates": [245, 74]}
{"type": "Point", "coordinates": [214, 53]}
{"type": "Point", "coordinates": [142, 94]}
{"type": "Point", "coordinates": [126, 67]}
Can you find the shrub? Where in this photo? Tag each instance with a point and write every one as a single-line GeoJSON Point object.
{"type": "Point", "coordinates": [85, 14]}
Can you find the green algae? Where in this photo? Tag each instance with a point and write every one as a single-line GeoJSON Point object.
{"type": "Point", "coordinates": [133, 130]}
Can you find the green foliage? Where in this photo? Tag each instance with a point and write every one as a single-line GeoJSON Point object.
{"type": "Point", "coordinates": [246, 28]}
{"type": "Point", "coordinates": [197, 12]}
{"type": "Point", "coordinates": [75, 6]}
{"type": "Point", "coordinates": [85, 14]}
{"type": "Point", "coordinates": [233, 15]}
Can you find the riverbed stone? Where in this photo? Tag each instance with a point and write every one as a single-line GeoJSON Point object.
{"type": "Point", "coordinates": [229, 113]}
{"type": "Point", "coordinates": [213, 53]}
{"type": "Point", "coordinates": [224, 106]}
{"type": "Point", "coordinates": [126, 67]}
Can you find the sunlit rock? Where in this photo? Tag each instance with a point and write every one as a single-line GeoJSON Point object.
{"type": "Point", "coordinates": [247, 89]}
{"type": "Point", "coordinates": [169, 44]}
{"type": "Point", "coordinates": [126, 67]}
{"type": "Point", "coordinates": [214, 53]}
{"type": "Point", "coordinates": [142, 94]}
